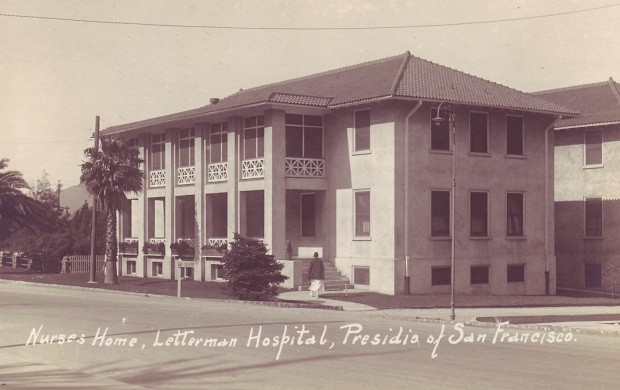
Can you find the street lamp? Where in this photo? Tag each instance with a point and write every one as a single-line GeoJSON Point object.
{"type": "Point", "coordinates": [452, 127]}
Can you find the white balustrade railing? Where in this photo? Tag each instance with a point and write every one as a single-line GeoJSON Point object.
{"type": "Point", "coordinates": [218, 241]}
{"type": "Point", "coordinates": [131, 239]}
{"type": "Point", "coordinates": [157, 240]}
{"type": "Point", "coordinates": [217, 172]}
{"type": "Point", "coordinates": [252, 169]}
{"type": "Point", "coordinates": [157, 178]}
{"type": "Point", "coordinates": [305, 167]}
{"type": "Point", "coordinates": [186, 175]}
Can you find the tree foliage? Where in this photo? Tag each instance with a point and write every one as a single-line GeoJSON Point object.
{"type": "Point", "coordinates": [251, 273]}
{"type": "Point", "coordinates": [108, 174]}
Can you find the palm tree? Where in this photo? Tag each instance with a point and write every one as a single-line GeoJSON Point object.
{"type": "Point", "coordinates": [108, 175]}
{"type": "Point", "coordinates": [15, 206]}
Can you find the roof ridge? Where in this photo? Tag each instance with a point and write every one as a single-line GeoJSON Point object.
{"type": "Point", "coordinates": [348, 67]}
{"type": "Point", "coordinates": [401, 72]}
{"type": "Point", "coordinates": [614, 88]}
{"type": "Point", "coordinates": [569, 88]}
{"type": "Point", "coordinates": [488, 81]}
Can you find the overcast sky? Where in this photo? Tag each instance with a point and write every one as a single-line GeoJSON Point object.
{"type": "Point", "coordinates": [56, 76]}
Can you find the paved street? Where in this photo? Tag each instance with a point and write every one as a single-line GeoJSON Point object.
{"type": "Point", "coordinates": [153, 345]}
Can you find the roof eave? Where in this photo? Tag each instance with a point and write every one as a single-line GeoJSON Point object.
{"type": "Point", "coordinates": [588, 125]}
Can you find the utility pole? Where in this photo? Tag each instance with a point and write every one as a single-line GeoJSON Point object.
{"type": "Point", "coordinates": [93, 229]}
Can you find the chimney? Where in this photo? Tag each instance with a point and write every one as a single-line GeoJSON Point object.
{"type": "Point", "coordinates": [214, 100]}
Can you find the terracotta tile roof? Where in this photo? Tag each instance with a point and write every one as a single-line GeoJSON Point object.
{"type": "Point", "coordinates": [398, 76]}
{"type": "Point", "coordinates": [598, 103]}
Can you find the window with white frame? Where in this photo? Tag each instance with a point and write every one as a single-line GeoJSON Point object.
{"type": "Point", "coordinates": [304, 136]}
{"type": "Point", "coordinates": [593, 147]}
{"type": "Point", "coordinates": [186, 148]}
{"type": "Point", "coordinates": [478, 214]}
{"type": "Point", "coordinates": [218, 141]}
{"type": "Point", "coordinates": [361, 275]}
{"type": "Point", "coordinates": [308, 218]}
{"type": "Point", "coordinates": [514, 135]}
{"type": "Point", "coordinates": [478, 132]}
{"type": "Point", "coordinates": [440, 213]}
{"type": "Point", "coordinates": [362, 131]}
{"type": "Point", "coordinates": [362, 213]}
{"type": "Point", "coordinates": [158, 146]}
{"type": "Point", "coordinates": [440, 131]}
{"type": "Point", "coordinates": [594, 217]}
{"type": "Point", "coordinates": [514, 214]}
{"type": "Point", "coordinates": [253, 137]}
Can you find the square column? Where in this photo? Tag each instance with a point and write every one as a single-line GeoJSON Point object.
{"type": "Point", "coordinates": [275, 186]}
{"type": "Point", "coordinates": [168, 263]}
{"type": "Point", "coordinates": [199, 203]}
{"type": "Point", "coordinates": [235, 129]}
{"type": "Point", "coordinates": [143, 231]}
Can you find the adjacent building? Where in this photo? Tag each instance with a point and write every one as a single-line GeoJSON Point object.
{"type": "Point", "coordinates": [348, 163]}
{"type": "Point", "coordinates": [587, 186]}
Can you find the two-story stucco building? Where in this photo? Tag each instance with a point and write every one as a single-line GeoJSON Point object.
{"type": "Point", "coordinates": [587, 185]}
{"type": "Point", "coordinates": [349, 164]}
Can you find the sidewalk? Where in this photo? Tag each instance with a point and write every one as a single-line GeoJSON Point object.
{"type": "Point", "coordinates": [304, 296]}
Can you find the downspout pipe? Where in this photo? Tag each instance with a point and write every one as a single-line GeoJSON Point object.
{"type": "Point", "coordinates": [547, 205]}
{"type": "Point", "coordinates": [407, 184]}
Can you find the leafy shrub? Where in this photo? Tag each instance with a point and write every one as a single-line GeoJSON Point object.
{"type": "Point", "coordinates": [251, 273]}
{"type": "Point", "coordinates": [128, 247]}
{"type": "Point", "coordinates": [182, 248]}
{"type": "Point", "coordinates": [150, 248]}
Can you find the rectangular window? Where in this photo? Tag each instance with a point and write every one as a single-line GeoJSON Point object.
{"type": "Point", "coordinates": [158, 145]}
{"type": "Point", "coordinates": [187, 272]}
{"type": "Point", "coordinates": [307, 215]}
{"type": "Point", "coordinates": [304, 136]}
{"type": "Point", "coordinates": [186, 148]}
{"type": "Point", "coordinates": [479, 274]}
{"type": "Point", "coordinates": [440, 276]}
{"type": "Point", "coordinates": [593, 143]}
{"type": "Point", "coordinates": [593, 275]}
{"type": "Point", "coordinates": [514, 135]}
{"type": "Point", "coordinates": [515, 273]}
{"type": "Point", "coordinates": [131, 267]}
{"type": "Point", "coordinates": [478, 132]}
{"type": "Point", "coordinates": [218, 142]}
{"type": "Point", "coordinates": [253, 137]}
{"type": "Point", "coordinates": [362, 130]}
{"type": "Point", "coordinates": [594, 217]}
{"type": "Point", "coordinates": [362, 213]}
{"type": "Point", "coordinates": [217, 271]}
{"type": "Point", "coordinates": [514, 214]}
{"type": "Point", "coordinates": [361, 275]}
{"type": "Point", "coordinates": [158, 268]}
{"type": "Point", "coordinates": [440, 213]}
{"type": "Point", "coordinates": [478, 214]}
{"type": "Point", "coordinates": [440, 131]}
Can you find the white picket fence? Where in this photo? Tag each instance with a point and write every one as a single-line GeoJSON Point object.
{"type": "Point", "coordinates": [80, 264]}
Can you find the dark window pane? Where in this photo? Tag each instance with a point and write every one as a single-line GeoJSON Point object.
{"type": "Point", "coordinates": [478, 132]}
{"type": "Point", "coordinates": [478, 214]}
{"type": "Point", "coordinates": [440, 132]}
{"type": "Point", "coordinates": [515, 273]}
{"type": "Point", "coordinates": [307, 215]}
{"type": "Point", "coordinates": [593, 275]}
{"type": "Point", "coordinates": [313, 120]}
{"type": "Point", "coordinates": [514, 135]}
{"type": "Point", "coordinates": [594, 217]}
{"type": "Point", "coordinates": [362, 213]}
{"type": "Point", "coordinates": [255, 212]}
{"type": "Point", "coordinates": [440, 276]}
{"type": "Point", "coordinates": [250, 122]}
{"type": "Point", "coordinates": [249, 144]}
{"type": "Point", "coordinates": [514, 214]}
{"type": "Point", "coordinates": [294, 119]}
{"type": "Point", "coordinates": [313, 142]}
{"type": "Point", "coordinates": [362, 130]}
{"type": "Point", "coordinates": [224, 147]}
{"type": "Point", "coordinates": [260, 120]}
{"type": "Point", "coordinates": [294, 141]}
{"type": "Point", "coordinates": [440, 213]}
{"type": "Point", "coordinates": [361, 275]}
{"type": "Point", "coordinates": [594, 147]}
{"type": "Point", "coordinates": [216, 148]}
{"type": "Point", "coordinates": [479, 275]}
{"type": "Point", "coordinates": [260, 142]}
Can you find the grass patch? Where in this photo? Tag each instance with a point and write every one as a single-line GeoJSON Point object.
{"type": "Point", "coordinates": [382, 301]}
{"type": "Point", "coordinates": [189, 288]}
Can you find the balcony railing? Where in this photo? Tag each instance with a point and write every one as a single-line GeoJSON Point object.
{"type": "Point", "coordinates": [218, 241]}
{"type": "Point", "coordinates": [253, 169]}
{"type": "Point", "coordinates": [218, 172]}
{"type": "Point", "coordinates": [157, 240]}
{"type": "Point", "coordinates": [157, 178]}
{"type": "Point", "coordinates": [305, 167]}
{"type": "Point", "coordinates": [186, 175]}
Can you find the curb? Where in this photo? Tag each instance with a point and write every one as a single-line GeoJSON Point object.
{"type": "Point", "coordinates": [293, 305]}
{"type": "Point", "coordinates": [479, 324]}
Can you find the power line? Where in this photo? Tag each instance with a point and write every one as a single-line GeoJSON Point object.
{"type": "Point", "coordinates": [308, 28]}
{"type": "Point", "coordinates": [45, 142]}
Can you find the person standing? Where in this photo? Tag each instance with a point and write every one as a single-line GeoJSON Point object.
{"type": "Point", "coordinates": [316, 274]}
